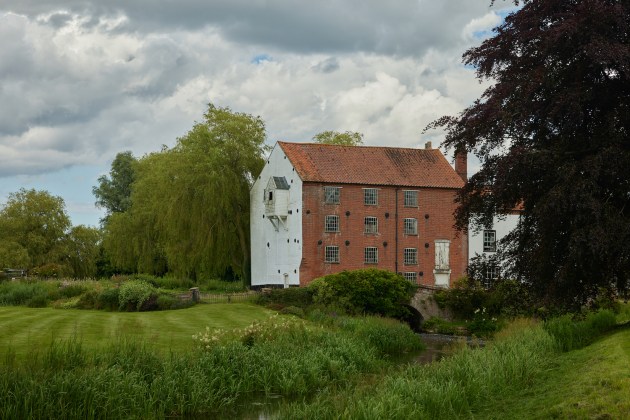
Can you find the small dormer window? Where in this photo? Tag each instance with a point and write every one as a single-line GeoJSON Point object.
{"type": "Point", "coordinates": [270, 198]}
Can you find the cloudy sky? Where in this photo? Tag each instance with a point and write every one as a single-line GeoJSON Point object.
{"type": "Point", "coordinates": [83, 80]}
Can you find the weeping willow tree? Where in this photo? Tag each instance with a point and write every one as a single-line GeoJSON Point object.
{"type": "Point", "coordinates": [190, 203]}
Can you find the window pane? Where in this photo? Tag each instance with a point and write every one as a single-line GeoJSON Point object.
{"type": "Point", "coordinates": [411, 256]}
{"type": "Point", "coordinates": [411, 226]}
{"type": "Point", "coordinates": [332, 224]}
{"type": "Point", "coordinates": [411, 198]}
{"type": "Point", "coordinates": [370, 196]}
{"type": "Point", "coordinates": [491, 274]}
{"type": "Point", "coordinates": [411, 276]}
{"type": "Point", "coordinates": [489, 241]}
{"type": "Point", "coordinates": [332, 195]}
{"type": "Point", "coordinates": [371, 255]}
{"type": "Point", "coordinates": [332, 254]}
{"type": "Point", "coordinates": [371, 225]}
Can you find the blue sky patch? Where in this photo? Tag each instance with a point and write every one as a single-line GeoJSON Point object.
{"type": "Point", "coordinates": [260, 58]}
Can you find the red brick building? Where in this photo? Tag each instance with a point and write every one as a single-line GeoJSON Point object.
{"type": "Point", "coordinates": [320, 209]}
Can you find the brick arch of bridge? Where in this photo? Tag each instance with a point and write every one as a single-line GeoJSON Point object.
{"type": "Point", "coordinates": [425, 304]}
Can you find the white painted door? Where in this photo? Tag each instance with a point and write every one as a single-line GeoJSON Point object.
{"type": "Point", "coordinates": [442, 270]}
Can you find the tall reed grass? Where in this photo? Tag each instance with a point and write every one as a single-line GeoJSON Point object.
{"type": "Point", "coordinates": [570, 334]}
{"type": "Point", "coordinates": [459, 386]}
{"type": "Point", "coordinates": [21, 292]}
{"type": "Point", "coordinates": [389, 336]}
{"type": "Point", "coordinates": [129, 379]}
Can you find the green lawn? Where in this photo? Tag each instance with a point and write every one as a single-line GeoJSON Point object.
{"type": "Point", "coordinates": [590, 383]}
{"type": "Point", "coordinates": [28, 329]}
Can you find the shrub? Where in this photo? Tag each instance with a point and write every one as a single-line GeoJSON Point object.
{"type": "Point", "coordinates": [38, 301]}
{"type": "Point", "coordinates": [369, 291]}
{"type": "Point", "coordinates": [301, 297]}
{"type": "Point", "coordinates": [463, 298]}
{"type": "Point", "coordinates": [51, 270]}
{"type": "Point", "coordinates": [108, 299]}
{"type": "Point", "coordinates": [165, 302]}
{"type": "Point", "coordinates": [293, 310]}
{"type": "Point", "coordinates": [440, 326]}
{"type": "Point", "coordinates": [20, 292]}
{"type": "Point", "coordinates": [71, 290]}
{"type": "Point", "coordinates": [506, 298]}
{"type": "Point", "coordinates": [133, 294]}
{"type": "Point", "coordinates": [150, 304]}
{"type": "Point", "coordinates": [482, 324]}
{"type": "Point", "coordinates": [89, 300]}
{"type": "Point", "coordinates": [509, 298]}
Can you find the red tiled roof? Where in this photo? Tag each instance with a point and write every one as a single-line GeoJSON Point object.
{"type": "Point", "coordinates": [366, 165]}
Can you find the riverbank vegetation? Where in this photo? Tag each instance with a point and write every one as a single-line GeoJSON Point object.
{"type": "Point", "coordinates": [524, 357]}
{"type": "Point", "coordinates": [129, 378]}
{"type": "Point", "coordinates": [96, 364]}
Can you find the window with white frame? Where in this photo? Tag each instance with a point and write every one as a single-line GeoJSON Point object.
{"type": "Point", "coordinates": [410, 256]}
{"type": "Point", "coordinates": [332, 224]}
{"type": "Point", "coordinates": [371, 255]}
{"type": "Point", "coordinates": [370, 196]}
{"type": "Point", "coordinates": [411, 226]}
{"type": "Point", "coordinates": [489, 241]}
{"type": "Point", "coordinates": [490, 275]}
{"type": "Point", "coordinates": [411, 198]}
{"type": "Point", "coordinates": [331, 195]}
{"type": "Point", "coordinates": [411, 276]}
{"type": "Point", "coordinates": [371, 224]}
{"type": "Point", "coordinates": [331, 254]}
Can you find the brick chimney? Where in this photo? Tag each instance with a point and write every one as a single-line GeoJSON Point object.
{"type": "Point", "coordinates": [461, 164]}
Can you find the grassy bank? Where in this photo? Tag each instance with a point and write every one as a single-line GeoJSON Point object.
{"type": "Point", "coordinates": [471, 383]}
{"type": "Point", "coordinates": [592, 382]}
{"type": "Point", "coordinates": [25, 329]}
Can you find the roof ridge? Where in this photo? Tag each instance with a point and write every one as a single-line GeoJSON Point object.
{"type": "Point", "coordinates": [360, 145]}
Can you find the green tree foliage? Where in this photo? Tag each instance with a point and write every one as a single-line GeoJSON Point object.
{"type": "Point", "coordinates": [33, 225]}
{"type": "Point", "coordinates": [113, 193]}
{"type": "Point", "coordinates": [13, 255]}
{"type": "Point", "coordinates": [369, 291]}
{"type": "Point", "coordinates": [82, 250]}
{"type": "Point", "coordinates": [553, 134]}
{"type": "Point", "coordinates": [348, 138]}
{"type": "Point", "coordinates": [190, 203]}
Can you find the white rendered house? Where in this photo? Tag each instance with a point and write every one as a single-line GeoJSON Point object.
{"type": "Point", "coordinates": [484, 241]}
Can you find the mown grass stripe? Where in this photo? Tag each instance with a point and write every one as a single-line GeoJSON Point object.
{"type": "Point", "coordinates": [23, 329]}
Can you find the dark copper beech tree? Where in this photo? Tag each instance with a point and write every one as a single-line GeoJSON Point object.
{"type": "Point", "coordinates": [553, 135]}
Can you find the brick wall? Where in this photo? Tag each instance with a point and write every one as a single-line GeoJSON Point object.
{"type": "Point", "coordinates": [435, 221]}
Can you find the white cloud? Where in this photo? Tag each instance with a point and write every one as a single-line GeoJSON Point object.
{"type": "Point", "coordinates": [481, 27]}
{"type": "Point", "coordinates": [83, 81]}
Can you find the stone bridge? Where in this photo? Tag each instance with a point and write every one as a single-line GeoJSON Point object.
{"type": "Point", "coordinates": [426, 307]}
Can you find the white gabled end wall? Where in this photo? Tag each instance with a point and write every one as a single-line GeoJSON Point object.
{"type": "Point", "coordinates": [501, 227]}
{"type": "Point", "coordinates": [276, 245]}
